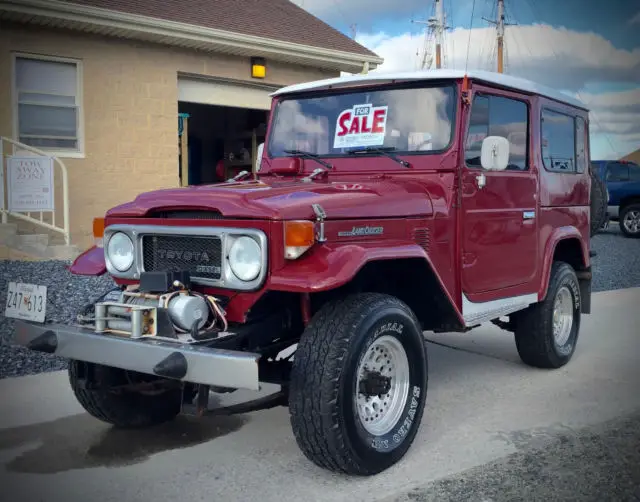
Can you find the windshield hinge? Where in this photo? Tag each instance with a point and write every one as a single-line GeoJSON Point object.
{"type": "Point", "coordinates": [315, 173]}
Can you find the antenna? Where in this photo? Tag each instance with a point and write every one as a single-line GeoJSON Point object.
{"type": "Point", "coordinates": [354, 30]}
{"type": "Point", "coordinates": [500, 24]}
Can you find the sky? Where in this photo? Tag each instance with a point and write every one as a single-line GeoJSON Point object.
{"type": "Point", "coordinates": [587, 48]}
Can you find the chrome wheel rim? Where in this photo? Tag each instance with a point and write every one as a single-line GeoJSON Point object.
{"type": "Point", "coordinates": [632, 221]}
{"type": "Point", "coordinates": [385, 360]}
{"type": "Point", "coordinates": [562, 316]}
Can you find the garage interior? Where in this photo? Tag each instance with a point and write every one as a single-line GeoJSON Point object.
{"type": "Point", "coordinates": [221, 126]}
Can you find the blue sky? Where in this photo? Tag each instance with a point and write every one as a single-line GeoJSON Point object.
{"type": "Point", "coordinates": [590, 48]}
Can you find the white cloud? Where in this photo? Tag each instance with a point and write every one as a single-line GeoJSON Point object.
{"type": "Point", "coordinates": [557, 57]}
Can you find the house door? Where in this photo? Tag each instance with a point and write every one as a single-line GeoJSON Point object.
{"type": "Point", "coordinates": [499, 219]}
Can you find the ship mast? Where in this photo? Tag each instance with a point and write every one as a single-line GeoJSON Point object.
{"type": "Point", "coordinates": [434, 29]}
{"type": "Point", "coordinates": [500, 24]}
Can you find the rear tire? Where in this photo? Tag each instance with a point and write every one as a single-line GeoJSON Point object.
{"type": "Point", "coordinates": [338, 422]}
{"type": "Point", "coordinates": [122, 408]}
{"type": "Point", "coordinates": [546, 333]}
{"type": "Point", "coordinates": [599, 204]}
{"type": "Point", "coordinates": [630, 221]}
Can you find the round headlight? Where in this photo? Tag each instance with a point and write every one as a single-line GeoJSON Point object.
{"type": "Point", "coordinates": [244, 259]}
{"type": "Point", "coordinates": [120, 251]}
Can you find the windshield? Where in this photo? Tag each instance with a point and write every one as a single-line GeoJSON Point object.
{"type": "Point", "coordinates": [404, 120]}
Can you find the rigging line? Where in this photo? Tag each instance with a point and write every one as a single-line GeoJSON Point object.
{"type": "Point", "coordinates": [534, 10]}
{"type": "Point", "coordinates": [473, 8]}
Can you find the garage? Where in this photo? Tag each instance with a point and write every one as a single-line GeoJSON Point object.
{"type": "Point", "coordinates": [222, 122]}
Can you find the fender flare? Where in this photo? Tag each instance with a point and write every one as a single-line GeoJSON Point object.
{"type": "Point", "coordinates": [328, 267]}
{"type": "Point", "coordinates": [558, 235]}
{"type": "Point", "coordinates": [90, 262]}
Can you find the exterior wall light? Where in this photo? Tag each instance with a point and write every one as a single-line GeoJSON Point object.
{"type": "Point", "coordinates": [258, 68]}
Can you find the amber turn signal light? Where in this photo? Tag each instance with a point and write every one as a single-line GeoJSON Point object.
{"type": "Point", "coordinates": [98, 231]}
{"type": "Point", "coordinates": [299, 236]}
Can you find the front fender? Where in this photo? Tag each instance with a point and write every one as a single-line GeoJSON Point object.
{"type": "Point", "coordinates": [559, 234]}
{"type": "Point", "coordinates": [91, 262]}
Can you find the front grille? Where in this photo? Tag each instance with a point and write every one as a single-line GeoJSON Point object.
{"type": "Point", "coordinates": [200, 255]}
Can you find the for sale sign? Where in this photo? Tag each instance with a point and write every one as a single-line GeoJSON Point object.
{"type": "Point", "coordinates": [30, 184]}
{"type": "Point", "coordinates": [362, 125]}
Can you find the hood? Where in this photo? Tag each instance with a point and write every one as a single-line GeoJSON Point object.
{"type": "Point", "coordinates": [288, 199]}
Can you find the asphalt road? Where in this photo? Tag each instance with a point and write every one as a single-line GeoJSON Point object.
{"type": "Point", "coordinates": [494, 430]}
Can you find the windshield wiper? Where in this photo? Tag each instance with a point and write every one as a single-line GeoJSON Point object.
{"type": "Point", "coordinates": [384, 151]}
{"type": "Point", "coordinates": [309, 155]}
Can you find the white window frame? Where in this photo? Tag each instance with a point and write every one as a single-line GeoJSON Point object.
{"type": "Point", "coordinates": [77, 153]}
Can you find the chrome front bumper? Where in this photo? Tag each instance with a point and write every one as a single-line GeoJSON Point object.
{"type": "Point", "coordinates": [189, 363]}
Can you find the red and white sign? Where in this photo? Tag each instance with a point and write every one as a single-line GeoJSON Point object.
{"type": "Point", "coordinates": [362, 125]}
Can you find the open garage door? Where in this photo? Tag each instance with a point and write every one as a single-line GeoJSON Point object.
{"type": "Point", "coordinates": [224, 93]}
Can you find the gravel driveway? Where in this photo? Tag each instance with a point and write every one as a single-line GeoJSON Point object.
{"type": "Point", "coordinates": [616, 266]}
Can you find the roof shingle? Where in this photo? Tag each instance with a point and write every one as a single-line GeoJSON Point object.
{"type": "Point", "coordinates": [276, 19]}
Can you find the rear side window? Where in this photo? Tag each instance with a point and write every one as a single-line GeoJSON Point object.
{"type": "Point", "coordinates": [558, 142]}
{"type": "Point", "coordinates": [634, 172]}
{"type": "Point", "coordinates": [617, 171]}
{"type": "Point", "coordinates": [499, 116]}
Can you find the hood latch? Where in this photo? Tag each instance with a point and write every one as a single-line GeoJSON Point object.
{"type": "Point", "coordinates": [320, 217]}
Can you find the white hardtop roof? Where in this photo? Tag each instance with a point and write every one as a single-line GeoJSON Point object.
{"type": "Point", "coordinates": [500, 79]}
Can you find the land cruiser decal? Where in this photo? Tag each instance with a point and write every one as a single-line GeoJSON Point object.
{"type": "Point", "coordinates": [362, 125]}
{"type": "Point", "coordinates": [358, 231]}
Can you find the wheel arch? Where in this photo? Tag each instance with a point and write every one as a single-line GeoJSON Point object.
{"type": "Point", "coordinates": [567, 245]}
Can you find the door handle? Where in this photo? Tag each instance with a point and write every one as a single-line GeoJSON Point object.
{"type": "Point", "coordinates": [481, 180]}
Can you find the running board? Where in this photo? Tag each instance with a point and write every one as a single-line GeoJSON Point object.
{"type": "Point", "coordinates": [479, 313]}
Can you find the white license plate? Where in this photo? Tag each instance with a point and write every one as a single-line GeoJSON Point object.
{"type": "Point", "coordinates": [26, 301]}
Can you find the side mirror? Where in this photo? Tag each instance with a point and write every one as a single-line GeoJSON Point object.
{"type": "Point", "coordinates": [495, 153]}
{"type": "Point", "coordinates": [259, 156]}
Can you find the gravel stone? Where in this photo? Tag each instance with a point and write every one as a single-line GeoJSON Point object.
{"type": "Point", "coordinates": [66, 294]}
{"type": "Point", "coordinates": [616, 266]}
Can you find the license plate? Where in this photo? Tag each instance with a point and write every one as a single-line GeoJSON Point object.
{"type": "Point", "coordinates": [26, 301]}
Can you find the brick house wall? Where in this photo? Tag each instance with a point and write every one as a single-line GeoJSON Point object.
{"type": "Point", "coordinates": [130, 109]}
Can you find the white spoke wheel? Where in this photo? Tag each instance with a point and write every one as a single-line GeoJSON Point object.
{"type": "Point", "coordinates": [382, 386]}
{"type": "Point", "coordinates": [546, 333]}
{"type": "Point", "coordinates": [359, 384]}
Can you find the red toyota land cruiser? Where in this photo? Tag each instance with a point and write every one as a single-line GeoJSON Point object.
{"type": "Point", "coordinates": [381, 206]}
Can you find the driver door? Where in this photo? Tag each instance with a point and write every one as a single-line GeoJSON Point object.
{"type": "Point", "coordinates": [499, 208]}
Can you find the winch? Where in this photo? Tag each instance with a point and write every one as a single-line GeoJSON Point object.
{"type": "Point", "coordinates": [177, 313]}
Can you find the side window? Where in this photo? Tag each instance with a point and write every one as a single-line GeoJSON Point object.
{"type": "Point", "coordinates": [581, 145]}
{"type": "Point", "coordinates": [617, 171]}
{"type": "Point", "coordinates": [558, 142]}
{"type": "Point", "coordinates": [498, 116]}
{"type": "Point", "coordinates": [634, 172]}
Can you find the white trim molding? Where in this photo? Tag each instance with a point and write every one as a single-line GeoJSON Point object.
{"type": "Point", "coordinates": [56, 13]}
{"type": "Point", "coordinates": [478, 313]}
{"type": "Point", "coordinates": [79, 151]}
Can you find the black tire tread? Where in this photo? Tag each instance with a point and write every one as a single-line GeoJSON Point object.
{"type": "Point", "coordinates": [535, 322]}
{"type": "Point", "coordinates": [315, 420]}
{"type": "Point", "coordinates": [117, 409]}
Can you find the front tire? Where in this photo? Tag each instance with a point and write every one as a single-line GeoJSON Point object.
{"type": "Point", "coordinates": [546, 333]}
{"type": "Point", "coordinates": [122, 408]}
{"type": "Point", "coordinates": [359, 384]}
{"type": "Point", "coordinates": [630, 221]}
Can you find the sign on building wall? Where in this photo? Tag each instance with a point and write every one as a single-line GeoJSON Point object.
{"type": "Point", "coordinates": [30, 183]}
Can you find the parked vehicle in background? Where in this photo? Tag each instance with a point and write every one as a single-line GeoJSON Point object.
{"type": "Point", "coordinates": [622, 180]}
{"type": "Point", "coordinates": [383, 206]}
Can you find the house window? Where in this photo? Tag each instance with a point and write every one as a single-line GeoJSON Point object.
{"type": "Point", "coordinates": [499, 116]}
{"type": "Point", "coordinates": [47, 104]}
{"type": "Point", "coordinates": [559, 142]}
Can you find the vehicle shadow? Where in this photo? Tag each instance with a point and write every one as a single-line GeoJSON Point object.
{"type": "Point", "coordinates": [81, 442]}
